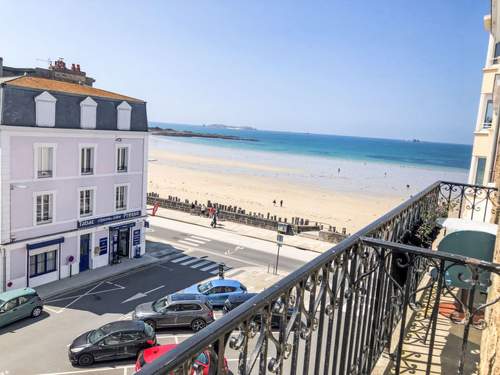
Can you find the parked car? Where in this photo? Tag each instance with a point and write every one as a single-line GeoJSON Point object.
{"type": "Point", "coordinates": [176, 310]}
{"type": "Point", "coordinates": [233, 302]}
{"type": "Point", "coordinates": [19, 304]}
{"type": "Point", "coordinates": [205, 363]}
{"type": "Point", "coordinates": [217, 291]}
{"type": "Point", "coordinates": [116, 340]}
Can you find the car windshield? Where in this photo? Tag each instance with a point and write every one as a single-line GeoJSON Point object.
{"type": "Point", "coordinates": [99, 333]}
{"type": "Point", "coordinates": [205, 287]}
{"type": "Point", "coordinates": [160, 304]}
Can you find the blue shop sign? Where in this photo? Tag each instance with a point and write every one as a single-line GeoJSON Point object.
{"type": "Point", "coordinates": [137, 237]}
{"type": "Point", "coordinates": [103, 246]}
{"type": "Point", "coordinates": [107, 219]}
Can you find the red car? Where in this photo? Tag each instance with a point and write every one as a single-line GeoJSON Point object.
{"type": "Point", "coordinates": [205, 363]}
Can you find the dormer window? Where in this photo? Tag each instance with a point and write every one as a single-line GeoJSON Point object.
{"type": "Point", "coordinates": [45, 109]}
{"type": "Point", "coordinates": [88, 110]}
{"type": "Point", "coordinates": [123, 116]}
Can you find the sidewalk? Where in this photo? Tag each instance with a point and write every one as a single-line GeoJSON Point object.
{"type": "Point", "coordinates": [88, 277]}
{"type": "Point", "coordinates": [297, 241]}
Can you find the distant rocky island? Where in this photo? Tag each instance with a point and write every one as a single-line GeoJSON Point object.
{"type": "Point", "coordinates": [155, 130]}
{"type": "Point", "coordinates": [222, 126]}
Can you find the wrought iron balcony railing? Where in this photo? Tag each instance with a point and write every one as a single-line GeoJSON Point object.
{"type": "Point", "coordinates": [344, 309]}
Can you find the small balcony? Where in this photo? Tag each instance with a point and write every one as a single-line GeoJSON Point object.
{"type": "Point", "coordinates": [386, 300]}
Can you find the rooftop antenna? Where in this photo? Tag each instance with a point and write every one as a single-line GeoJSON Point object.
{"type": "Point", "coordinates": [48, 61]}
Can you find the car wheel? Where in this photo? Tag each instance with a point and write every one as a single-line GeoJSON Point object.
{"type": "Point", "coordinates": [151, 323]}
{"type": "Point", "coordinates": [36, 312]}
{"type": "Point", "coordinates": [85, 360]}
{"type": "Point", "coordinates": [198, 324]}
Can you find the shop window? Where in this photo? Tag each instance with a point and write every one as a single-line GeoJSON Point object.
{"type": "Point", "coordinates": [43, 263]}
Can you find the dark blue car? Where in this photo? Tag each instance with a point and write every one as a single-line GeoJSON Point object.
{"type": "Point", "coordinates": [217, 291]}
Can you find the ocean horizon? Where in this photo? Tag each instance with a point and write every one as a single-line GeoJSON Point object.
{"type": "Point", "coordinates": [364, 149]}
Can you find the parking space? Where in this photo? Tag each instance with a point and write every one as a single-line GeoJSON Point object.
{"type": "Point", "coordinates": [44, 341]}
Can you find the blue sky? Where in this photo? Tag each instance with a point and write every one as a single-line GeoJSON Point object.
{"type": "Point", "coordinates": [392, 68]}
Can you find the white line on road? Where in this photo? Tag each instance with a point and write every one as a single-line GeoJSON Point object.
{"type": "Point", "coordinates": [152, 290]}
{"type": "Point", "coordinates": [185, 242]}
{"type": "Point", "coordinates": [190, 261]}
{"type": "Point", "coordinates": [78, 298]}
{"type": "Point", "coordinates": [203, 263]}
{"type": "Point", "coordinates": [200, 238]}
{"type": "Point", "coordinates": [209, 267]}
{"type": "Point", "coordinates": [177, 260]}
{"type": "Point", "coordinates": [195, 240]}
{"type": "Point", "coordinates": [89, 370]}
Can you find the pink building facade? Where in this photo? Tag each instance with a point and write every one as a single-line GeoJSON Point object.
{"type": "Point", "coordinates": [72, 184]}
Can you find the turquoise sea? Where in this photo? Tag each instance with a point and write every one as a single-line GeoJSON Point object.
{"type": "Point", "coordinates": [425, 154]}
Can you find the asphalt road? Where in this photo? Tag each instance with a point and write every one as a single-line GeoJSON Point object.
{"type": "Point", "coordinates": [219, 251]}
{"type": "Point", "coordinates": [39, 346]}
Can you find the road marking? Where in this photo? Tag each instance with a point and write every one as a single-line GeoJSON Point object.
{"type": "Point", "coordinates": [118, 287]}
{"type": "Point", "coordinates": [177, 260]}
{"type": "Point", "coordinates": [209, 267]}
{"type": "Point", "coordinates": [185, 242]}
{"type": "Point", "coordinates": [190, 261]}
{"type": "Point", "coordinates": [89, 370]}
{"type": "Point", "coordinates": [78, 298]}
{"type": "Point", "coordinates": [198, 265]}
{"type": "Point", "coordinates": [195, 240]}
{"type": "Point", "coordinates": [200, 238]}
{"type": "Point", "coordinates": [141, 295]}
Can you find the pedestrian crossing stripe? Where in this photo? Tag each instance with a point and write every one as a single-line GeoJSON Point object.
{"type": "Point", "coordinates": [200, 238]}
{"type": "Point", "coordinates": [203, 263]}
{"type": "Point", "coordinates": [209, 267]}
{"type": "Point", "coordinates": [185, 257]}
{"type": "Point", "coordinates": [190, 261]}
{"type": "Point", "coordinates": [186, 242]}
{"type": "Point", "coordinates": [201, 242]}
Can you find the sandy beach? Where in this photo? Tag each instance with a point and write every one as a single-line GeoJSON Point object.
{"type": "Point", "coordinates": [310, 187]}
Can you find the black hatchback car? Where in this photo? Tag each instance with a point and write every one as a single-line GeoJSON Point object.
{"type": "Point", "coordinates": [113, 341]}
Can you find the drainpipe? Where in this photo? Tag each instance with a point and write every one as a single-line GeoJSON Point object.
{"type": "Point", "coordinates": [4, 269]}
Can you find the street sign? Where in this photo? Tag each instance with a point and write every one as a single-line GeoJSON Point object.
{"type": "Point", "coordinates": [279, 239]}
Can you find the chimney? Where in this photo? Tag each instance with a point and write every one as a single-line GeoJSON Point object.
{"type": "Point", "coordinates": [1, 66]}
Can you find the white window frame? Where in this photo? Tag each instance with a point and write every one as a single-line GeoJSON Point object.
{"type": "Point", "coordinates": [88, 113]}
{"type": "Point", "coordinates": [36, 147]}
{"type": "Point", "coordinates": [45, 110]}
{"type": "Point", "coordinates": [81, 146]}
{"type": "Point", "coordinates": [127, 197]}
{"type": "Point", "coordinates": [117, 147]}
{"type": "Point", "coordinates": [35, 197]}
{"type": "Point", "coordinates": [93, 203]}
{"type": "Point", "coordinates": [123, 116]}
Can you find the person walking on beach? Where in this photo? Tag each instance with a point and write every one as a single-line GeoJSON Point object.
{"type": "Point", "coordinates": [281, 203]}
{"type": "Point", "coordinates": [338, 171]}
{"type": "Point", "coordinates": [274, 202]}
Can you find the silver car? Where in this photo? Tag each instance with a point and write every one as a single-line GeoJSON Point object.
{"type": "Point", "coordinates": [176, 310]}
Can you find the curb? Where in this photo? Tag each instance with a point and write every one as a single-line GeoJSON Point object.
{"type": "Point", "coordinates": [230, 231]}
{"type": "Point", "coordinates": [103, 277]}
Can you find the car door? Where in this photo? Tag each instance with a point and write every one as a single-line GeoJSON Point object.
{"type": "Point", "coordinates": [189, 312]}
{"type": "Point", "coordinates": [132, 342]}
{"type": "Point", "coordinates": [109, 348]}
{"type": "Point", "coordinates": [168, 317]}
{"type": "Point", "coordinates": [220, 295]}
{"type": "Point", "coordinates": [9, 312]}
{"type": "Point", "coordinates": [25, 306]}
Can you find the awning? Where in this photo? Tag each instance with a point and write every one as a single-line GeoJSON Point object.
{"type": "Point", "coordinates": [38, 245]}
{"type": "Point", "coordinates": [123, 226]}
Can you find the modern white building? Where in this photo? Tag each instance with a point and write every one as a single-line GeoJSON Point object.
{"type": "Point", "coordinates": [73, 165]}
